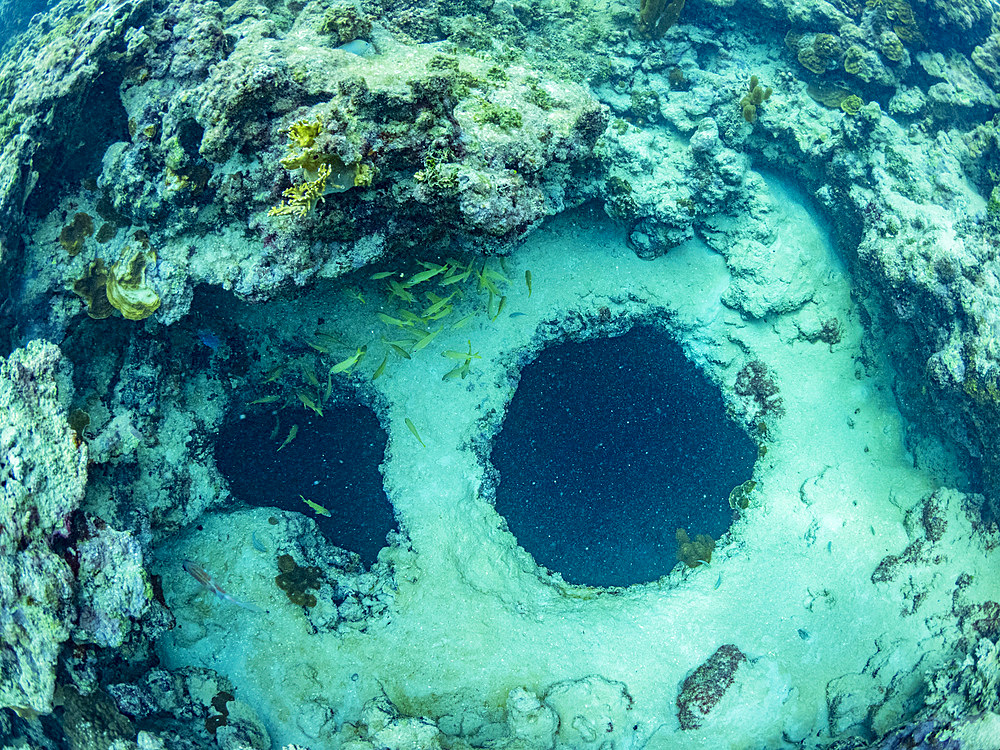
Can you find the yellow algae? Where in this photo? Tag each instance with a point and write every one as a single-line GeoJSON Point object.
{"type": "Point", "coordinates": [92, 287]}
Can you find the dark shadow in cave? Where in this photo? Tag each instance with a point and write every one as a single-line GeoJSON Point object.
{"type": "Point", "coordinates": [608, 447]}
{"type": "Point", "coordinates": [333, 461]}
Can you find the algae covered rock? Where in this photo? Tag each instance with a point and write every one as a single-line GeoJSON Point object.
{"type": "Point", "coordinates": [44, 470]}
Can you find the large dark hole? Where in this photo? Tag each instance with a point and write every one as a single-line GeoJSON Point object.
{"type": "Point", "coordinates": [332, 461]}
{"type": "Point", "coordinates": [610, 446]}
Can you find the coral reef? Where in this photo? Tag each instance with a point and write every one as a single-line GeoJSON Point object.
{"type": "Point", "coordinates": [43, 476]}
{"type": "Point", "coordinates": [166, 162]}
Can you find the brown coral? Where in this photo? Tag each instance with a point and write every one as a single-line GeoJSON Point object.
{"type": "Point", "coordinates": [656, 16]}
{"type": "Point", "coordinates": [76, 232]}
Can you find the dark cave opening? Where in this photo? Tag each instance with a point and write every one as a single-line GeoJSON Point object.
{"type": "Point", "coordinates": [608, 447]}
{"type": "Point", "coordinates": [332, 461]}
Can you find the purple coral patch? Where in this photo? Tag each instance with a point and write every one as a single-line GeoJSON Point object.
{"type": "Point", "coordinates": [704, 687]}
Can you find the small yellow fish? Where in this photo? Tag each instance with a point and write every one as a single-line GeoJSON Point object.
{"type": "Point", "coordinates": [350, 361]}
{"type": "Point", "coordinates": [462, 321]}
{"type": "Point", "coordinates": [418, 278]}
{"type": "Point", "coordinates": [390, 321]}
{"type": "Point", "coordinates": [274, 374]}
{"type": "Point", "coordinates": [291, 436]}
{"type": "Point", "coordinates": [400, 350]}
{"type": "Point", "coordinates": [413, 429]}
{"type": "Point", "coordinates": [265, 400]}
{"type": "Point", "coordinates": [381, 368]}
{"type": "Point", "coordinates": [310, 376]}
{"type": "Point", "coordinates": [527, 280]}
{"type": "Point", "coordinates": [490, 273]}
{"type": "Point", "coordinates": [332, 337]}
{"type": "Point", "coordinates": [486, 281]}
{"type": "Point", "coordinates": [329, 388]}
{"type": "Point", "coordinates": [398, 290]}
{"type": "Point", "coordinates": [318, 347]}
{"type": "Point", "coordinates": [308, 402]}
{"type": "Point", "coordinates": [503, 301]}
{"type": "Point", "coordinates": [451, 354]}
{"type": "Point", "coordinates": [411, 318]}
{"type": "Point", "coordinates": [438, 303]}
{"type": "Point", "coordinates": [428, 338]}
{"type": "Point", "coordinates": [381, 275]}
{"type": "Point", "coordinates": [457, 278]}
{"type": "Point", "coordinates": [442, 313]}
{"type": "Point", "coordinates": [320, 510]}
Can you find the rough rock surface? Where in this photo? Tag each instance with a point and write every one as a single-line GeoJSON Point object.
{"type": "Point", "coordinates": [43, 473]}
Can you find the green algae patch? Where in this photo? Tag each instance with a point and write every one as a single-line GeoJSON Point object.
{"type": "Point", "coordinates": [296, 580]}
{"type": "Point", "coordinates": [92, 288]}
{"type": "Point", "coordinates": [74, 234]}
{"type": "Point", "coordinates": [694, 553]}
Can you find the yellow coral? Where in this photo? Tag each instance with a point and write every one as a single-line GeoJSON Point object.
{"type": "Point", "coordinates": [852, 104]}
{"type": "Point", "coordinates": [128, 290]}
{"type": "Point", "coordinates": [298, 200]}
{"type": "Point", "coordinates": [656, 16]}
{"type": "Point", "coordinates": [694, 553]}
{"type": "Point", "coordinates": [122, 287]}
{"type": "Point", "coordinates": [302, 134]}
